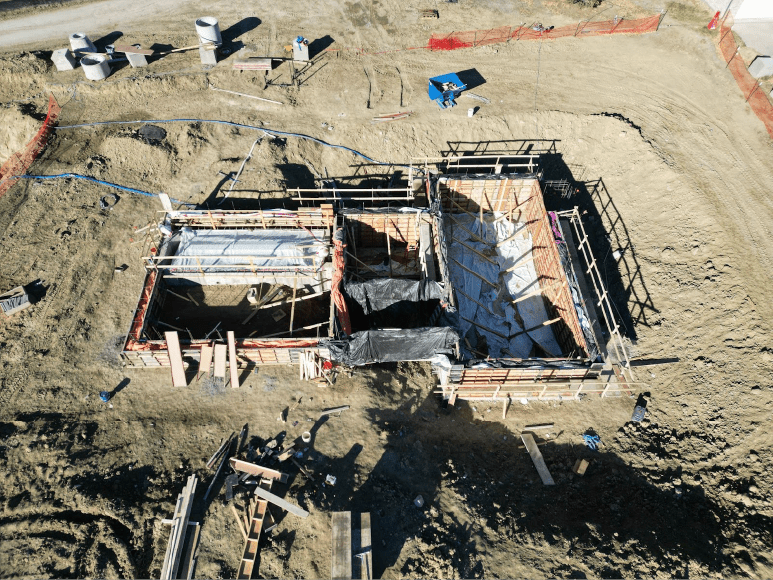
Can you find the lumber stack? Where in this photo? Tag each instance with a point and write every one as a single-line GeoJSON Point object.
{"type": "Point", "coordinates": [175, 566]}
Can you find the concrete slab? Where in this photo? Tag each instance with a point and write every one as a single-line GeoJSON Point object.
{"type": "Point", "coordinates": [63, 59]}
{"type": "Point", "coordinates": [136, 60]}
{"type": "Point", "coordinates": [762, 66]}
{"type": "Point", "coordinates": [207, 56]}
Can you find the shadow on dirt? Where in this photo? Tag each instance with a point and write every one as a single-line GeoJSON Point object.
{"type": "Point", "coordinates": [614, 513]}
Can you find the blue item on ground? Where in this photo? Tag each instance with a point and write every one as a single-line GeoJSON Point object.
{"type": "Point", "coordinates": [444, 89]}
{"type": "Point", "coordinates": [104, 395]}
{"type": "Point", "coordinates": [592, 441]}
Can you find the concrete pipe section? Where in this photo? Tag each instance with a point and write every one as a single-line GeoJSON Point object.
{"type": "Point", "coordinates": [79, 42]}
{"type": "Point", "coordinates": [208, 30]}
{"type": "Point", "coordinates": [96, 67]}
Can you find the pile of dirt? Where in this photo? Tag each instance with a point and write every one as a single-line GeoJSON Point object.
{"type": "Point", "coordinates": [18, 124]}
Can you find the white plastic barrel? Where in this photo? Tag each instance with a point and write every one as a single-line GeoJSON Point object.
{"type": "Point", "coordinates": [208, 30]}
{"type": "Point", "coordinates": [95, 67]}
{"type": "Point", "coordinates": [79, 42]}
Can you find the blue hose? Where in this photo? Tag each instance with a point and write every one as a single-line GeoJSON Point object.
{"type": "Point", "coordinates": [232, 124]}
{"type": "Point", "coordinates": [99, 181]}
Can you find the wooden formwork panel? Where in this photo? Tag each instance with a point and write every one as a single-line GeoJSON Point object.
{"type": "Point", "coordinates": [371, 230]}
{"type": "Point", "coordinates": [488, 377]}
{"type": "Point", "coordinates": [245, 356]}
{"type": "Point", "coordinates": [550, 273]}
{"type": "Point", "coordinates": [488, 195]}
{"type": "Point", "coordinates": [322, 217]}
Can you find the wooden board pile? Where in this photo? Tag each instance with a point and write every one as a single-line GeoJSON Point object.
{"type": "Point", "coordinates": [184, 533]}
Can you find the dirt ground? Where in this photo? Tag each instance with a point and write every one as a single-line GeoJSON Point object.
{"type": "Point", "coordinates": [671, 167]}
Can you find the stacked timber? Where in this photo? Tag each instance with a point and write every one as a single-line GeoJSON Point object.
{"type": "Point", "coordinates": [175, 566]}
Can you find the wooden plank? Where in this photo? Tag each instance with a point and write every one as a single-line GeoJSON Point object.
{"type": "Point", "coordinates": [341, 568]}
{"type": "Point", "coordinates": [540, 426]}
{"type": "Point", "coordinates": [252, 469]}
{"type": "Point", "coordinates": [220, 353]}
{"type": "Point", "coordinates": [425, 244]}
{"type": "Point", "coordinates": [132, 50]}
{"type": "Point", "coordinates": [234, 365]}
{"type": "Point", "coordinates": [176, 359]}
{"type": "Point", "coordinates": [537, 459]}
{"type": "Point", "coordinates": [239, 523]}
{"type": "Point", "coordinates": [185, 509]}
{"type": "Point", "coordinates": [366, 547]}
{"type": "Point", "coordinates": [279, 502]}
{"type": "Point", "coordinates": [190, 552]}
{"type": "Point", "coordinates": [474, 273]}
{"type": "Point", "coordinates": [206, 359]}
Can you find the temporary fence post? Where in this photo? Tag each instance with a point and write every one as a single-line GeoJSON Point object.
{"type": "Point", "coordinates": [732, 57]}
{"type": "Point", "coordinates": [662, 16]}
{"type": "Point", "coordinates": [577, 30]}
{"type": "Point", "coordinates": [756, 86]}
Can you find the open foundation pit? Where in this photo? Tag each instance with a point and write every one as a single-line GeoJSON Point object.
{"type": "Point", "coordinates": [265, 276]}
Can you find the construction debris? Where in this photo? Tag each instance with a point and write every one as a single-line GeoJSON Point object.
{"type": "Point", "coordinates": [335, 410]}
{"type": "Point", "coordinates": [391, 117]}
{"type": "Point", "coordinates": [257, 470]}
{"type": "Point", "coordinates": [538, 427]}
{"type": "Point", "coordinates": [279, 502]}
{"type": "Point", "coordinates": [536, 457]}
{"type": "Point", "coordinates": [62, 59]}
{"type": "Point", "coordinates": [476, 97]}
{"type": "Point", "coordinates": [244, 95]}
{"type": "Point", "coordinates": [429, 13]}
{"type": "Point", "coordinates": [14, 301]}
{"type": "Point", "coordinates": [580, 466]}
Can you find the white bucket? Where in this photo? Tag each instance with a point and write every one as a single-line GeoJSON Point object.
{"type": "Point", "coordinates": [471, 112]}
{"type": "Point", "coordinates": [95, 67]}
{"type": "Point", "coordinates": [208, 30]}
{"type": "Point", "coordinates": [306, 437]}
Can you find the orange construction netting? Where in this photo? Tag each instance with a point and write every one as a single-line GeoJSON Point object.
{"type": "Point", "coordinates": [473, 38]}
{"type": "Point", "coordinates": [750, 87]}
{"type": "Point", "coordinates": [19, 162]}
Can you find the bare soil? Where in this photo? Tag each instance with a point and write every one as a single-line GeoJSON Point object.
{"type": "Point", "coordinates": [671, 168]}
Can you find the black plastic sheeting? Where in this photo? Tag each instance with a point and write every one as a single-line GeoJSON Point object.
{"type": "Point", "coordinates": [378, 346]}
{"type": "Point", "coordinates": [396, 303]}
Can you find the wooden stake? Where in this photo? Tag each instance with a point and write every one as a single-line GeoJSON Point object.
{"type": "Point", "coordinates": [463, 267]}
{"type": "Point", "coordinates": [239, 522]}
{"type": "Point", "coordinates": [292, 308]}
{"type": "Point", "coordinates": [538, 291]}
{"type": "Point", "coordinates": [389, 246]}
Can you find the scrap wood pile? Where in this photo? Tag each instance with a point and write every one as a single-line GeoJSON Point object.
{"type": "Point", "coordinates": [248, 489]}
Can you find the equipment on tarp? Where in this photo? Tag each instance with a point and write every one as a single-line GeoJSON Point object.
{"type": "Point", "coordinates": [444, 89]}
{"type": "Point", "coordinates": [301, 49]}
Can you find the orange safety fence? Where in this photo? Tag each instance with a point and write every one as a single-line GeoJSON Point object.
{"type": "Point", "coordinates": [19, 162]}
{"type": "Point", "coordinates": [750, 87]}
{"type": "Point", "coordinates": [474, 38]}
